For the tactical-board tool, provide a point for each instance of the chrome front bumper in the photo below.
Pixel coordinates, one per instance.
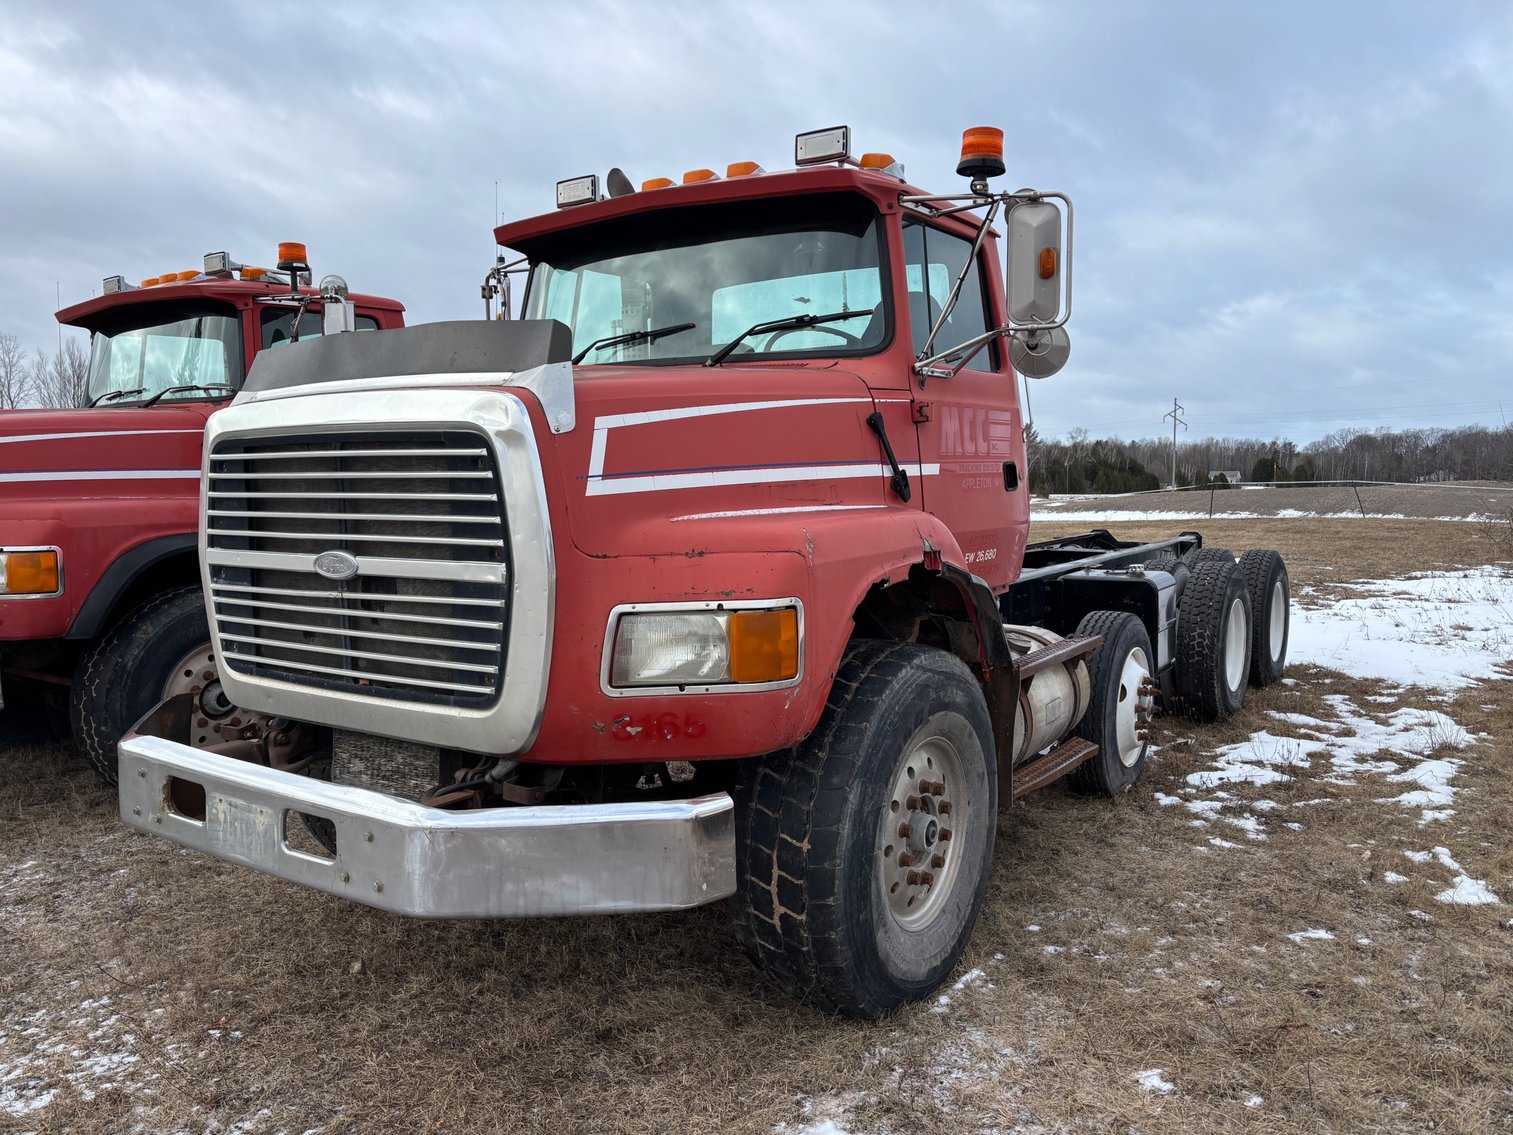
(430, 862)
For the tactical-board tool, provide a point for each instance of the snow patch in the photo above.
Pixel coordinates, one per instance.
(1311, 936)
(1154, 1080)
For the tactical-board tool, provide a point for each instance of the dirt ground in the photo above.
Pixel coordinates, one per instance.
(1141, 965)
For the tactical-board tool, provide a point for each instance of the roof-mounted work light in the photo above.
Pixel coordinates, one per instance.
(220, 266)
(578, 191)
(833, 144)
(114, 284)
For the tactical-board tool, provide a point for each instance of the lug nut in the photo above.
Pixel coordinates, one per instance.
(938, 788)
(914, 878)
(945, 807)
(937, 861)
(926, 878)
(945, 835)
(905, 831)
(912, 803)
(906, 859)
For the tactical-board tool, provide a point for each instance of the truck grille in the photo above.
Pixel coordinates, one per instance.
(424, 617)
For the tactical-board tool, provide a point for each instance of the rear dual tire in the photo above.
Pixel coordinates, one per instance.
(1213, 639)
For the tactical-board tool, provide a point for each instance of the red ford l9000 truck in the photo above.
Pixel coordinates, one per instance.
(708, 580)
(99, 503)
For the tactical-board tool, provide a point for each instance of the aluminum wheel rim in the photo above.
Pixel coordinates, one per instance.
(214, 720)
(1235, 628)
(917, 857)
(1277, 628)
(1135, 708)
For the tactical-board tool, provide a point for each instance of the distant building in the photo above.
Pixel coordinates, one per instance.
(1230, 475)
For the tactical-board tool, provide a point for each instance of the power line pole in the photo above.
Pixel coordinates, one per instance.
(1177, 409)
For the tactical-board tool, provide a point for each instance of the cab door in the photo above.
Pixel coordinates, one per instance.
(969, 425)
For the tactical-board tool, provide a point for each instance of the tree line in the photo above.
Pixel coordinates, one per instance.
(1082, 464)
(41, 379)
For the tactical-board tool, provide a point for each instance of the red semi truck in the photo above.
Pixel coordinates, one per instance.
(99, 504)
(707, 580)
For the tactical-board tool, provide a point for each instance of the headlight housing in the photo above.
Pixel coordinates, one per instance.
(694, 648)
(30, 573)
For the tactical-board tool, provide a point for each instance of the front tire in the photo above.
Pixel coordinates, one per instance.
(863, 855)
(133, 668)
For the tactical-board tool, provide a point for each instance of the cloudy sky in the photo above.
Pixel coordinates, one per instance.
(1295, 217)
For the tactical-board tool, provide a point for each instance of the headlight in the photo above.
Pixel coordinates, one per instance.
(30, 571)
(705, 647)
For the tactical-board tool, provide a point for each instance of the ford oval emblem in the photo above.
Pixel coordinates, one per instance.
(336, 565)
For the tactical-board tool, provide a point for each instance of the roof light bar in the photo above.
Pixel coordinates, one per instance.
(578, 191)
(833, 144)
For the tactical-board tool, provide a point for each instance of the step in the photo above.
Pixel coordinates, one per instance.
(1053, 766)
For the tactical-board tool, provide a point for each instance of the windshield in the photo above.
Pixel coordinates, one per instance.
(722, 268)
(202, 350)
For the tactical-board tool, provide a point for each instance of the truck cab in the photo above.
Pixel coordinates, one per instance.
(99, 503)
(709, 578)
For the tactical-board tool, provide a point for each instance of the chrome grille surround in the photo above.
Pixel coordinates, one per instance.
(444, 634)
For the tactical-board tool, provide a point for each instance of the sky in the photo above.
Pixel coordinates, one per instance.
(1293, 217)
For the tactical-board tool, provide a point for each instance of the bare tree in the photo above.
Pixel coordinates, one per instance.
(15, 376)
(62, 379)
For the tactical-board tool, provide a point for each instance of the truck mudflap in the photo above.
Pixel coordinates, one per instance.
(427, 862)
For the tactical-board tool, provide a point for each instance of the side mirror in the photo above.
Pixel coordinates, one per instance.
(1034, 262)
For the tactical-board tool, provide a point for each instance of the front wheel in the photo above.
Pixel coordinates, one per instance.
(863, 855)
(160, 649)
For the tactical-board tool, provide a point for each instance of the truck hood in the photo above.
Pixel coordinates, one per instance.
(49, 454)
(657, 448)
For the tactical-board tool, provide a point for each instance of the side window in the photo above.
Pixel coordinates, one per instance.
(278, 326)
(932, 261)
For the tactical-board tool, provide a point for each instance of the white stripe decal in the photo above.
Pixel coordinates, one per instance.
(646, 418)
(598, 485)
(91, 433)
(776, 511)
(105, 475)
(665, 482)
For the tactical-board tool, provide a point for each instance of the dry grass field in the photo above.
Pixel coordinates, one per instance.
(1201, 955)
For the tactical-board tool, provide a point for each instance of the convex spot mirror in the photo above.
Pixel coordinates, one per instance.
(1034, 269)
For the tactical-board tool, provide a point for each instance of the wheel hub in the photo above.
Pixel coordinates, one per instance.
(214, 720)
(916, 859)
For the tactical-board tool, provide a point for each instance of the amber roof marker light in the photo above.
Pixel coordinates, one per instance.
(981, 155)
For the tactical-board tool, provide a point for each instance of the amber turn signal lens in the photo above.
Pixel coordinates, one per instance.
(1047, 263)
(30, 573)
(764, 645)
(291, 252)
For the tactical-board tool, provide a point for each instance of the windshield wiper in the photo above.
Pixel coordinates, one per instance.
(632, 337)
(226, 386)
(112, 395)
(792, 321)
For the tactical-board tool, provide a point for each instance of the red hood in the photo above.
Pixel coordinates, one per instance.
(53, 454)
(655, 446)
